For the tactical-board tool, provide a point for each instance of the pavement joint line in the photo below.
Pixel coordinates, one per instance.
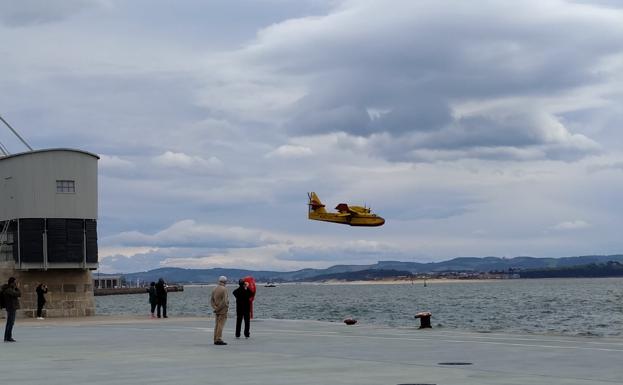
(101, 320)
(446, 333)
(328, 334)
(451, 341)
(486, 334)
(547, 340)
(530, 337)
(334, 334)
(470, 368)
(493, 336)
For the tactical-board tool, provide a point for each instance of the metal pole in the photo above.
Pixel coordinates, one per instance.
(84, 245)
(15, 132)
(4, 150)
(45, 244)
(19, 249)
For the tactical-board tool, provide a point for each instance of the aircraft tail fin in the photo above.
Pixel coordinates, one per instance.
(315, 205)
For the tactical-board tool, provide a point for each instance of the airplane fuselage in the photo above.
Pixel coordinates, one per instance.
(369, 220)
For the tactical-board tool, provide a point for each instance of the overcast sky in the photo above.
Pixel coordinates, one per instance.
(475, 128)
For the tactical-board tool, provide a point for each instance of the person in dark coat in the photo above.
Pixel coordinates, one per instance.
(41, 290)
(153, 298)
(161, 295)
(243, 307)
(11, 293)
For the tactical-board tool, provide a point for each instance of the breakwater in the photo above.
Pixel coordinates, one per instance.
(132, 290)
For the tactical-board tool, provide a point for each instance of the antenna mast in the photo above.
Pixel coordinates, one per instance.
(16, 134)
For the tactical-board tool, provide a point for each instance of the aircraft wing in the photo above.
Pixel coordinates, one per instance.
(354, 212)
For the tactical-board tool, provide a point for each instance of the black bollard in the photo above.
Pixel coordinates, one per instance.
(424, 319)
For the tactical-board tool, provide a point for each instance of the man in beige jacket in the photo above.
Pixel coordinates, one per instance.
(220, 304)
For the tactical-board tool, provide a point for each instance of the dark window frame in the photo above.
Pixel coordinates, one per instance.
(65, 186)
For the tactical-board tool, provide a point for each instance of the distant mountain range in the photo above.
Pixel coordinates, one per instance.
(463, 264)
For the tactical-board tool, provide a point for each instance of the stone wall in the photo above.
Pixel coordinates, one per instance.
(70, 291)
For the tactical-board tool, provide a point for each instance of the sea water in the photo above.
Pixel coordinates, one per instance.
(590, 307)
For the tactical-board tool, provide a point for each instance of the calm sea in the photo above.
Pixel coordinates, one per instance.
(590, 307)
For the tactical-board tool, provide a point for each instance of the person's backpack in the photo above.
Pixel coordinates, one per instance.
(2, 299)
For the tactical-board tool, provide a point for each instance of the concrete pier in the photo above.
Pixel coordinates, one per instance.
(70, 291)
(105, 350)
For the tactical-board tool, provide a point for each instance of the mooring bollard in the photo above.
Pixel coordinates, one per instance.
(424, 319)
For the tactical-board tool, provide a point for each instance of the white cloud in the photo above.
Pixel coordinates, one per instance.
(290, 151)
(355, 251)
(114, 162)
(188, 162)
(477, 61)
(189, 233)
(571, 225)
(470, 126)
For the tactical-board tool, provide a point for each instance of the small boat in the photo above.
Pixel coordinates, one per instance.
(270, 284)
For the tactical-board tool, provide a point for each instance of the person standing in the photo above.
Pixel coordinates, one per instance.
(220, 304)
(161, 295)
(41, 290)
(153, 298)
(243, 307)
(11, 293)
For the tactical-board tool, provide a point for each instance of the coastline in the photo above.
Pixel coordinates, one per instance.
(434, 281)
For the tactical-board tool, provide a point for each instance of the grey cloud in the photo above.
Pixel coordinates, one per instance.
(322, 103)
(429, 210)
(188, 233)
(604, 3)
(333, 119)
(529, 136)
(135, 263)
(32, 12)
(357, 252)
(418, 60)
(425, 114)
(617, 166)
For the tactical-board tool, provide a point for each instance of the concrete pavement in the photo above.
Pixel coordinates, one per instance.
(120, 350)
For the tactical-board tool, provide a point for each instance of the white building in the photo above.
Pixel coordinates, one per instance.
(48, 209)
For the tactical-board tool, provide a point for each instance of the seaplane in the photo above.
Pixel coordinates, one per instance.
(347, 215)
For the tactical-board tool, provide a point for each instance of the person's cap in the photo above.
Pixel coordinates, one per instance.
(222, 278)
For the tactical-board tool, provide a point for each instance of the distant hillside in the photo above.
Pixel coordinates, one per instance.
(463, 264)
(361, 275)
(174, 274)
(593, 270)
(496, 264)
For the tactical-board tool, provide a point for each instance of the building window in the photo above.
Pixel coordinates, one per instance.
(66, 186)
(6, 242)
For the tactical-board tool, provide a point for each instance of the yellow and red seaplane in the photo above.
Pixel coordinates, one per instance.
(347, 215)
